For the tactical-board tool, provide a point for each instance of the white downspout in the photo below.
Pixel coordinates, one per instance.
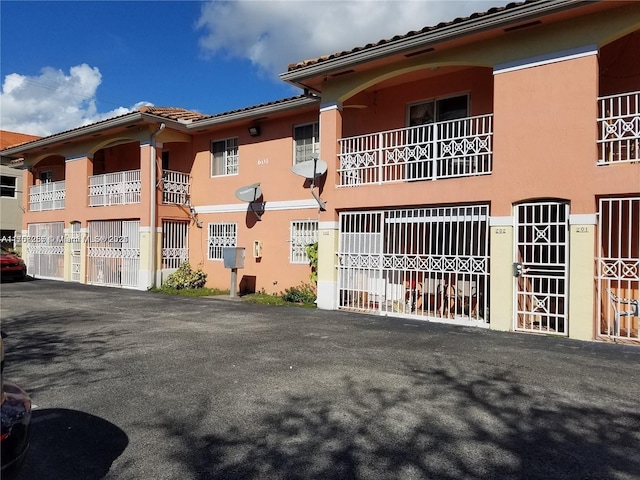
(153, 187)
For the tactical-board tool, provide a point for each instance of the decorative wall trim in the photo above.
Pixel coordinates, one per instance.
(546, 59)
(266, 206)
(324, 107)
(583, 219)
(328, 225)
(501, 221)
(73, 158)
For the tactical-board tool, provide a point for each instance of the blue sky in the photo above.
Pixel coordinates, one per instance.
(66, 64)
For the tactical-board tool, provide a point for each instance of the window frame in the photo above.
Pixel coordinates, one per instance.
(226, 237)
(45, 176)
(6, 187)
(315, 145)
(230, 161)
(436, 113)
(298, 240)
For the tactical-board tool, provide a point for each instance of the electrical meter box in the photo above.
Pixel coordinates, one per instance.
(233, 257)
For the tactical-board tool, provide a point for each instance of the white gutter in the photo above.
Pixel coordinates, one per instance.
(153, 188)
(252, 113)
(72, 134)
(473, 25)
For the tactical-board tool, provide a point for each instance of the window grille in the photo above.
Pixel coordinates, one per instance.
(8, 186)
(221, 235)
(224, 157)
(175, 243)
(303, 233)
(306, 139)
(618, 268)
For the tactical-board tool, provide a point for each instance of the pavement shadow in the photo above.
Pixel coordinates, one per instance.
(446, 424)
(71, 445)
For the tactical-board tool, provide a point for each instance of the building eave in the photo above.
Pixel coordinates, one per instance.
(253, 113)
(56, 138)
(509, 16)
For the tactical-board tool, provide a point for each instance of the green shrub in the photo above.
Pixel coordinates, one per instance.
(304, 293)
(185, 277)
(312, 253)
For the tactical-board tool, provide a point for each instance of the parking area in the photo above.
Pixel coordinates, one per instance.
(132, 385)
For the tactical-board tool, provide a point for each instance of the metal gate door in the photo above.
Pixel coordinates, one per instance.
(175, 243)
(618, 295)
(113, 256)
(76, 249)
(429, 262)
(541, 267)
(45, 251)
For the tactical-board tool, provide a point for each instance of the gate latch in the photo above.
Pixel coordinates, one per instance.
(518, 270)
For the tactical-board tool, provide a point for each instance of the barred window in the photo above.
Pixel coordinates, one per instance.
(224, 157)
(221, 235)
(303, 233)
(306, 139)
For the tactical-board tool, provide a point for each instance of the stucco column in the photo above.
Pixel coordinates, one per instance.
(84, 242)
(501, 267)
(330, 132)
(67, 254)
(145, 276)
(582, 237)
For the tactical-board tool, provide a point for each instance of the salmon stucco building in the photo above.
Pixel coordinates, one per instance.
(482, 172)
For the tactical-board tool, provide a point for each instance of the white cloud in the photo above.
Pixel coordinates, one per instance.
(273, 34)
(52, 101)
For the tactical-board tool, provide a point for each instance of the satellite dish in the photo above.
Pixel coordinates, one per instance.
(250, 193)
(311, 168)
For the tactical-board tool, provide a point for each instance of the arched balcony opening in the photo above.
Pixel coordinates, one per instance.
(48, 191)
(116, 174)
(426, 124)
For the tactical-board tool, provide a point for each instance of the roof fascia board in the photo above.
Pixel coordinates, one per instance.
(72, 134)
(253, 113)
(438, 35)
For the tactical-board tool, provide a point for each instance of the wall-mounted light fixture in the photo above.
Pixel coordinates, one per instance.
(254, 131)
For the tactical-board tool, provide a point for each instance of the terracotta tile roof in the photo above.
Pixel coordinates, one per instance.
(441, 25)
(11, 139)
(178, 114)
(173, 113)
(255, 107)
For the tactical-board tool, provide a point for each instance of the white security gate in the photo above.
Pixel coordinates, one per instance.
(541, 267)
(113, 256)
(618, 264)
(76, 248)
(175, 243)
(45, 251)
(425, 262)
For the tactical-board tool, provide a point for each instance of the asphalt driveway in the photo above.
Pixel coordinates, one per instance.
(135, 385)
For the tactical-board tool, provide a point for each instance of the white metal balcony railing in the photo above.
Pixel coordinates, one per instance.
(456, 148)
(47, 196)
(118, 188)
(175, 187)
(619, 128)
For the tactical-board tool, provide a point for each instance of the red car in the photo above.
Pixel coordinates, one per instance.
(15, 413)
(12, 266)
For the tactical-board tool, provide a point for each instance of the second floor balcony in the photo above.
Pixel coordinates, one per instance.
(619, 128)
(117, 188)
(455, 148)
(175, 187)
(47, 196)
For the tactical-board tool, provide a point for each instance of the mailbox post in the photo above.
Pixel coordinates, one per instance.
(234, 259)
